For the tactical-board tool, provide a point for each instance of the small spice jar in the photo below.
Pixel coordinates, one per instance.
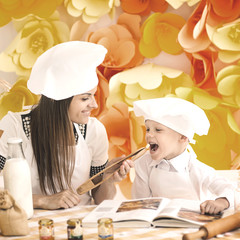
(46, 229)
(105, 229)
(74, 229)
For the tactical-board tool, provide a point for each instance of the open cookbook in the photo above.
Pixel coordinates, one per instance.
(147, 212)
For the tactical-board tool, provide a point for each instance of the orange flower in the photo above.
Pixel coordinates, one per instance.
(20, 8)
(121, 40)
(203, 73)
(143, 8)
(116, 122)
(222, 11)
(193, 36)
(101, 95)
(159, 32)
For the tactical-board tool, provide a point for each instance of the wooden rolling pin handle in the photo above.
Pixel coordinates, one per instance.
(216, 227)
(222, 225)
(201, 234)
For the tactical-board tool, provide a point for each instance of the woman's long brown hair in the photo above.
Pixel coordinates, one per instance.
(53, 143)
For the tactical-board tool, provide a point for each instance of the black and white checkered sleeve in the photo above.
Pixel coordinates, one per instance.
(96, 169)
(2, 162)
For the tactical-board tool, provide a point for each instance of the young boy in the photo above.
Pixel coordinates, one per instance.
(170, 168)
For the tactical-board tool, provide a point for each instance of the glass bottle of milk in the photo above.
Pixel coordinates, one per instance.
(17, 176)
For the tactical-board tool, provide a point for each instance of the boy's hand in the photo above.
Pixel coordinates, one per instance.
(214, 206)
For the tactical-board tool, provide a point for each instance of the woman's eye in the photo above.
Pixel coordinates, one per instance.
(158, 130)
(84, 99)
(147, 129)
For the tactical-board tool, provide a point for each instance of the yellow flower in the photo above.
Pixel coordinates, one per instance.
(160, 32)
(137, 131)
(19, 8)
(145, 81)
(223, 139)
(227, 39)
(17, 97)
(228, 83)
(91, 10)
(178, 3)
(35, 36)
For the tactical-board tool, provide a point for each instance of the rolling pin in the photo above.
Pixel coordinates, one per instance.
(214, 228)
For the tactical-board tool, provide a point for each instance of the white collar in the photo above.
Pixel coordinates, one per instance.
(179, 163)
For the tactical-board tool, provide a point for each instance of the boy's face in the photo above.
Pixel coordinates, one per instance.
(164, 142)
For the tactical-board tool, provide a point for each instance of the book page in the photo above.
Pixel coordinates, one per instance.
(137, 210)
(185, 210)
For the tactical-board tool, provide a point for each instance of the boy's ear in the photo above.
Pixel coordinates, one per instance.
(184, 138)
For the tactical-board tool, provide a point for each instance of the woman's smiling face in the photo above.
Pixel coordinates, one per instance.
(81, 106)
(164, 142)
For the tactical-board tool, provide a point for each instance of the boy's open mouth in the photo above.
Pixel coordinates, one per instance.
(153, 147)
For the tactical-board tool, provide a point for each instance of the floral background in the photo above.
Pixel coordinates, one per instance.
(156, 48)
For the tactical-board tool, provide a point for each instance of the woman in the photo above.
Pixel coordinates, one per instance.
(63, 145)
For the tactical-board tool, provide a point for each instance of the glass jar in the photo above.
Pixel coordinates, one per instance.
(74, 229)
(17, 176)
(46, 229)
(105, 229)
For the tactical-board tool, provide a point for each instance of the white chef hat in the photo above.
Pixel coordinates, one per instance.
(178, 114)
(67, 69)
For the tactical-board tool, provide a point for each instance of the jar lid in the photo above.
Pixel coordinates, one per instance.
(105, 220)
(45, 222)
(14, 140)
(74, 221)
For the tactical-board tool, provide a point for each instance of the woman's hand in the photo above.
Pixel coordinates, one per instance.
(214, 206)
(64, 199)
(122, 171)
(107, 189)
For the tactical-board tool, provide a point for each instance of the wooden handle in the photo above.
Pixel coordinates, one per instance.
(201, 234)
(213, 228)
(89, 184)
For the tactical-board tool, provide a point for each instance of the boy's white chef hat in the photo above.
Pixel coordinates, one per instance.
(67, 69)
(178, 114)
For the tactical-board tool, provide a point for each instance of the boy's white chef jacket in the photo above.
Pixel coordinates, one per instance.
(91, 151)
(181, 177)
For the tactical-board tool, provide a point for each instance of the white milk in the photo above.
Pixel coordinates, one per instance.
(17, 180)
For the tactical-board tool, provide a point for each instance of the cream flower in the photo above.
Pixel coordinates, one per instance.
(91, 10)
(35, 36)
(227, 39)
(178, 3)
(228, 83)
(145, 81)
